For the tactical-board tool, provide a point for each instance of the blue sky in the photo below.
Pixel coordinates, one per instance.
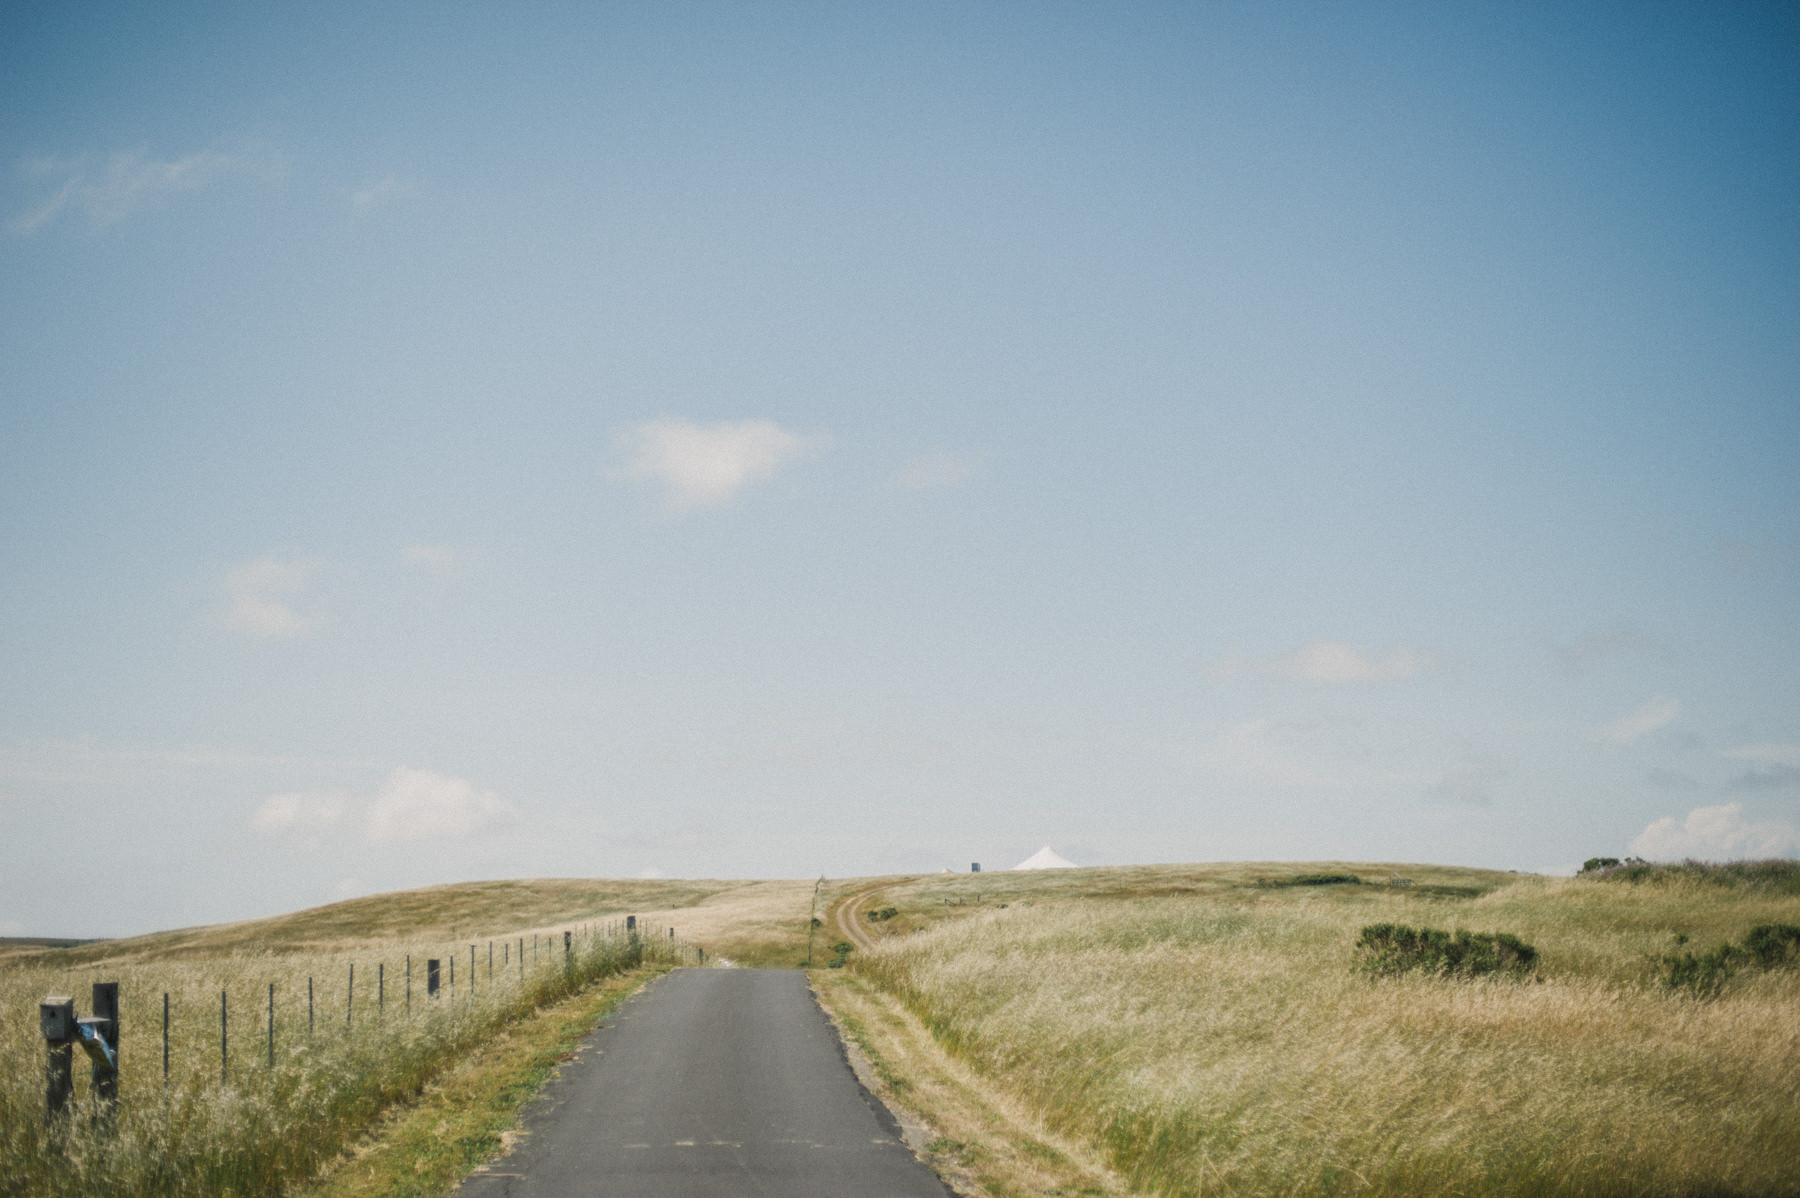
(480, 441)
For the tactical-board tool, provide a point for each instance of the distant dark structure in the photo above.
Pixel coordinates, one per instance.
(974, 867)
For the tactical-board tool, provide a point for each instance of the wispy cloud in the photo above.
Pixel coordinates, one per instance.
(707, 465)
(265, 597)
(1659, 712)
(411, 804)
(1715, 834)
(938, 470)
(105, 190)
(421, 805)
(1328, 663)
(306, 816)
(1772, 754)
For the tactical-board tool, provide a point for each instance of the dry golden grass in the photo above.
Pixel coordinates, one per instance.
(1210, 1035)
(270, 1120)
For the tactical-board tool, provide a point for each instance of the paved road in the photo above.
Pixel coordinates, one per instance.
(710, 1082)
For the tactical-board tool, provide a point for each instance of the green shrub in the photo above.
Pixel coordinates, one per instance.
(1767, 946)
(1777, 875)
(1312, 880)
(1388, 948)
(881, 916)
(843, 949)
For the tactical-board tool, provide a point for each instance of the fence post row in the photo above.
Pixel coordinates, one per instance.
(99, 1035)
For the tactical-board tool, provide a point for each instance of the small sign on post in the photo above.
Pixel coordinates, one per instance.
(431, 977)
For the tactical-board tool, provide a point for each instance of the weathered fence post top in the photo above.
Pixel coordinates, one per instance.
(98, 1036)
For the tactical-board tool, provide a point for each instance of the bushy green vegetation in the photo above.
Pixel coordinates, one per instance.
(1775, 876)
(1767, 946)
(1210, 1035)
(1388, 948)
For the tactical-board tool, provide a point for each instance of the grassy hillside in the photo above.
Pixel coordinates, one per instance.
(342, 989)
(1210, 1031)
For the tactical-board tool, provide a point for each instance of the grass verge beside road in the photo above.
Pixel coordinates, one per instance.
(1206, 1029)
(983, 1144)
(472, 1112)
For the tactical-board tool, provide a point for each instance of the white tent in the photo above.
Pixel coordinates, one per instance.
(1045, 858)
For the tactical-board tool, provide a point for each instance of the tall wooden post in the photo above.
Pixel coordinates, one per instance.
(56, 1020)
(106, 1073)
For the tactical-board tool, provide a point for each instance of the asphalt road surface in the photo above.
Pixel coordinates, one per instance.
(710, 1082)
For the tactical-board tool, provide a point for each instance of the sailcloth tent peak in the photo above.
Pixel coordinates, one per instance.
(1045, 858)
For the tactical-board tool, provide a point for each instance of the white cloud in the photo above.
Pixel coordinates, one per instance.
(348, 888)
(411, 804)
(1715, 834)
(11, 927)
(706, 465)
(261, 598)
(939, 470)
(650, 873)
(1659, 712)
(1772, 754)
(421, 805)
(305, 815)
(107, 191)
(1329, 663)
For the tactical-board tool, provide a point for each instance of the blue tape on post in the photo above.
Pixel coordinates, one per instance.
(94, 1043)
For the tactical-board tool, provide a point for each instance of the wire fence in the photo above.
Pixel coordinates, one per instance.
(245, 1073)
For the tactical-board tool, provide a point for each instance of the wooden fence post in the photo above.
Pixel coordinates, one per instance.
(106, 1073)
(224, 1041)
(56, 1020)
(165, 1039)
(271, 1025)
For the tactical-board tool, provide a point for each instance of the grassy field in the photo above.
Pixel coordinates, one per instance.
(262, 1120)
(1207, 1029)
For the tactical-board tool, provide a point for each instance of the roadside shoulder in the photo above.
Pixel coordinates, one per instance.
(979, 1141)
